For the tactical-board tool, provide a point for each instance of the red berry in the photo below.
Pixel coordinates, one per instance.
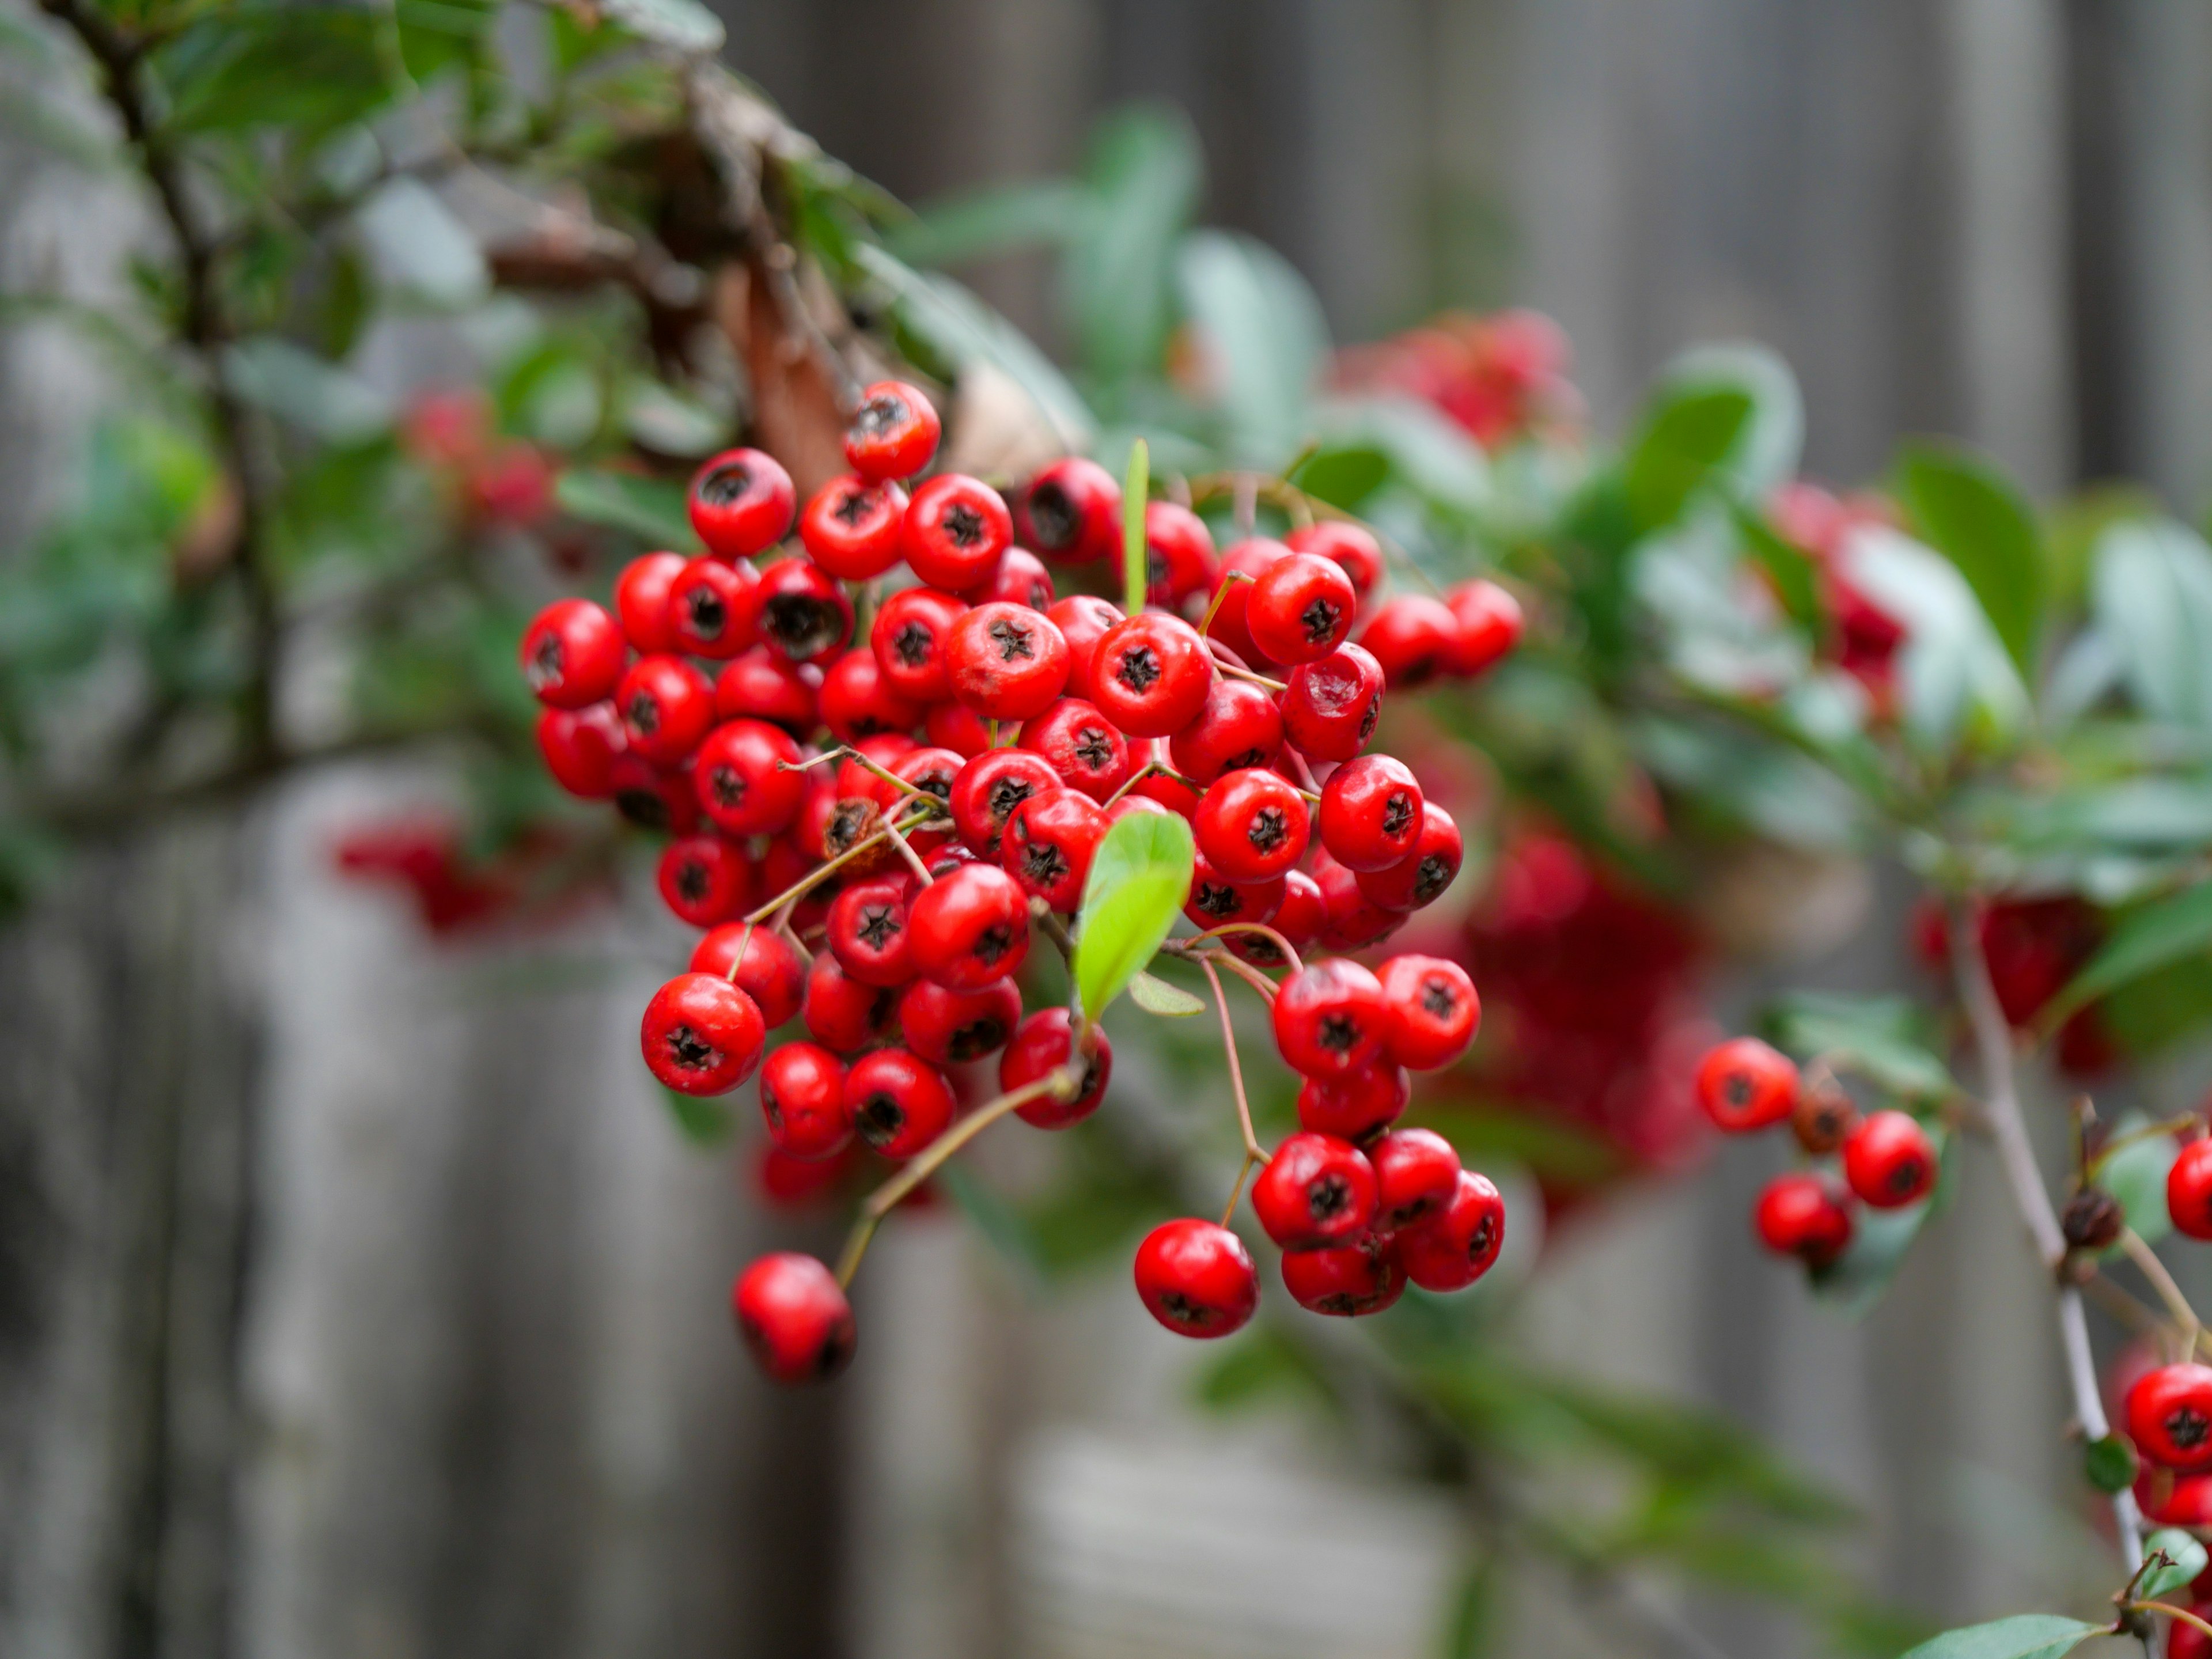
(950, 1028)
(1355, 1106)
(1331, 1019)
(933, 771)
(1150, 674)
(1251, 559)
(1007, 661)
(842, 1014)
(1416, 1174)
(772, 973)
(804, 614)
(1370, 813)
(2169, 1416)
(957, 726)
(858, 702)
(741, 503)
(870, 933)
(1041, 1044)
(1297, 918)
(1744, 1084)
(653, 797)
(1238, 726)
(758, 685)
(1889, 1160)
(1216, 901)
(1175, 793)
(802, 1097)
(971, 927)
(1353, 921)
(1082, 746)
(704, 879)
(1316, 1190)
(573, 654)
(1196, 1279)
(1083, 620)
(1419, 878)
(580, 747)
(1048, 844)
(711, 607)
(1330, 707)
(667, 706)
(1413, 637)
(2189, 1190)
(1018, 578)
(745, 779)
(1353, 549)
(1345, 1280)
(1459, 1244)
(642, 600)
(898, 1104)
(702, 1036)
(2185, 1640)
(893, 434)
(1178, 555)
(1072, 510)
(1489, 626)
(988, 789)
(794, 1318)
(1434, 1012)
(954, 530)
(1251, 825)
(1300, 609)
(851, 528)
(1802, 1215)
(2167, 1499)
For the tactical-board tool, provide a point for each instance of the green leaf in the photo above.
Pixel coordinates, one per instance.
(1958, 678)
(1139, 878)
(705, 1120)
(294, 384)
(1796, 580)
(312, 68)
(651, 508)
(1967, 509)
(2137, 1176)
(989, 221)
(1157, 996)
(421, 248)
(2185, 1558)
(683, 25)
(2151, 593)
(1264, 338)
(1261, 1365)
(1887, 1039)
(1728, 417)
(2023, 1636)
(2109, 1464)
(1685, 437)
(2166, 930)
(1343, 476)
(434, 35)
(1144, 170)
(1426, 452)
(1471, 1621)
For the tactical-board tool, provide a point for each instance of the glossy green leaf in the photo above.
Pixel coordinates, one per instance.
(2109, 1464)
(311, 67)
(1423, 450)
(2167, 931)
(2185, 1559)
(1144, 171)
(1887, 1039)
(1343, 475)
(1264, 339)
(1957, 679)
(1796, 579)
(1727, 417)
(1967, 510)
(651, 508)
(2023, 1636)
(434, 35)
(1157, 996)
(1139, 878)
(2137, 1176)
(2151, 593)
(1472, 1619)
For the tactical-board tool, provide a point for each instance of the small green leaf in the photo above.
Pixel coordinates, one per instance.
(1259, 1366)
(1144, 171)
(2185, 1559)
(1796, 580)
(648, 508)
(1265, 337)
(705, 1122)
(1684, 440)
(1139, 878)
(1136, 558)
(2109, 1464)
(2166, 930)
(1885, 1038)
(2150, 586)
(1471, 1622)
(2023, 1636)
(2137, 1176)
(1969, 512)
(1157, 996)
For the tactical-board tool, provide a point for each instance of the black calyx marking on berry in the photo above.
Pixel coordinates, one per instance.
(1184, 1311)
(709, 616)
(962, 526)
(1217, 900)
(1367, 720)
(1005, 796)
(937, 783)
(837, 1343)
(728, 785)
(2187, 1427)
(1343, 1304)
(1397, 813)
(644, 712)
(1249, 757)
(1261, 950)
(977, 1038)
(1139, 669)
(693, 881)
(1052, 518)
(913, 644)
(879, 1118)
(880, 415)
(868, 725)
(726, 485)
(1737, 1088)
(691, 1050)
(850, 821)
(1337, 1033)
(879, 925)
(803, 624)
(1328, 1195)
(771, 1104)
(1431, 876)
(643, 807)
(1909, 1174)
(1157, 568)
(1439, 996)
(1012, 639)
(549, 663)
(1267, 829)
(853, 506)
(1090, 1080)
(991, 944)
(1044, 865)
(1484, 1236)
(1094, 747)
(1319, 620)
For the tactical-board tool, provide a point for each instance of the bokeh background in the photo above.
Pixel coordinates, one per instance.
(357, 1295)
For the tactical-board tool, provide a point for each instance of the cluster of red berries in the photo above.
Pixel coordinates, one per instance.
(981, 739)
(1888, 1159)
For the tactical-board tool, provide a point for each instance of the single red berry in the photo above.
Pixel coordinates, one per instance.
(741, 503)
(1041, 1044)
(771, 972)
(1247, 561)
(580, 746)
(1802, 1215)
(2189, 1190)
(667, 706)
(1354, 549)
(870, 933)
(573, 654)
(933, 771)
(1215, 900)
(851, 528)
(842, 1014)
(1238, 726)
(1251, 825)
(1300, 609)
(988, 789)
(893, 434)
(1178, 555)
(1085, 749)
(1358, 1105)
(2183, 1640)
(802, 1097)
(786, 1182)
(857, 701)
(1459, 1244)
(1331, 1019)
(713, 610)
(702, 1036)
(745, 778)
(957, 726)
(652, 797)
(642, 600)
(1330, 707)
(1416, 1174)
(794, 1318)
(1744, 1084)
(1196, 1279)
(704, 879)
(1489, 626)
(1072, 510)
(954, 530)
(2169, 1416)
(1419, 878)
(1007, 661)
(1299, 919)
(950, 1028)
(1018, 578)
(898, 1104)
(804, 614)
(971, 927)
(1315, 1190)
(758, 685)
(1345, 1281)
(1890, 1161)
(1351, 921)
(1370, 813)
(1083, 619)
(908, 637)
(1150, 674)
(2167, 1499)
(1434, 1012)
(1048, 844)
(1178, 794)
(1414, 638)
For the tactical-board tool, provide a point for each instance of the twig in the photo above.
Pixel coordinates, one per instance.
(2176, 1304)
(1253, 1154)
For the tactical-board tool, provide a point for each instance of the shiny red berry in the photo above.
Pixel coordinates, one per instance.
(1248, 561)
(1345, 1281)
(957, 726)
(794, 1318)
(988, 789)
(1083, 619)
(1330, 707)
(933, 771)
(652, 797)
(1413, 637)
(580, 746)
(908, 637)
(1351, 921)
(1215, 900)
(1419, 878)
(2169, 1416)
(702, 1036)
(1416, 1174)
(870, 933)
(857, 701)
(954, 530)
(1238, 726)
(804, 614)
(802, 1097)
(1357, 1105)
(1176, 794)
(1151, 675)
(1370, 813)
(851, 527)
(713, 608)
(1007, 661)
(1434, 1011)
(741, 503)
(1048, 844)
(1331, 1019)
(1315, 1190)
(1457, 1244)
(1803, 1215)
(1300, 609)
(1743, 1085)
(1489, 625)
(1071, 510)
(841, 1013)
(971, 927)
(667, 706)
(1082, 745)
(743, 773)
(2189, 1190)
(1251, 825)
(950, 1028)
(898, 1103)
(1889, 1160)
(1196, 1279)
(1041, 1044)
(642, 600)
(704, 879)
(2169, 1500)
(1354, 549)
(1178, 555)
(894, 432)
(1298, 917)
(771, 972)
(573, 654)
(758, 685)
(1018, 578)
